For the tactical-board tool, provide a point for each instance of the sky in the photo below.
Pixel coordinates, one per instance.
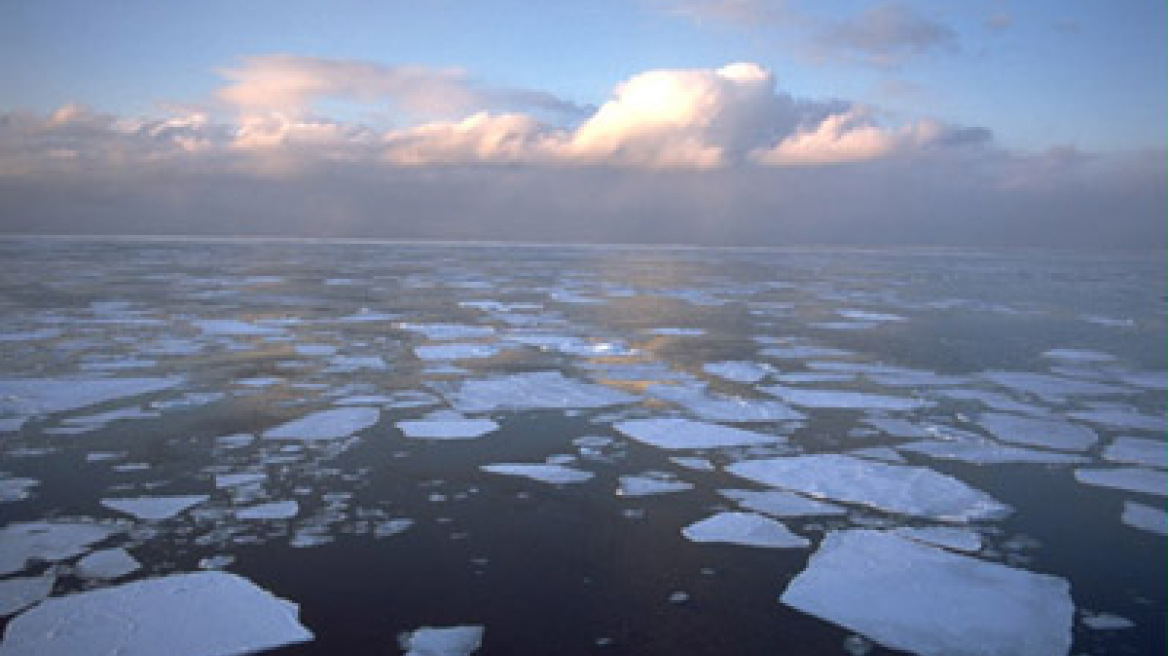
(727, 122)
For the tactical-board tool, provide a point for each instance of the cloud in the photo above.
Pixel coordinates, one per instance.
(885, 35)
(851, 137)
(742, 13)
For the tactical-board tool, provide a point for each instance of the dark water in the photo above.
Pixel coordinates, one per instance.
(560, 569)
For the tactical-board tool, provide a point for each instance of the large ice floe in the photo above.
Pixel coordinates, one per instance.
(154, 508)
(781, 503)
(902, 489)
(51, 541)
(746, 529)
(16, 594)
(199, 614)
(445, 427)
(23, 398)
(1131, 479)
(821, 398)
(677, 433)
(533, 391)
(988, 452)
(326, 424)
(1138, 451)
(442, 641)
(545, 473)
(1045, 432)
(926, 600)
(1145, 518)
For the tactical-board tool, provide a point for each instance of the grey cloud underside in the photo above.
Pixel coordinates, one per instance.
(997, 200)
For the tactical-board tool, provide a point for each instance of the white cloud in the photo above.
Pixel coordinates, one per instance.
(849, 137)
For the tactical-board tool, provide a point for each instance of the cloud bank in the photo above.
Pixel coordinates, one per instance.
(712, 156)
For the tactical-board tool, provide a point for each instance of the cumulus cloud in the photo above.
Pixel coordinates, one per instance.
(850, 137)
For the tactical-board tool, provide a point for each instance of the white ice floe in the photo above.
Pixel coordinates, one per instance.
(739, 371)
(932, 602)
(916, 491)
(154, 508)
(20, 593)
(1138, 451)
(239, 479)
(865, 315)
(545, 473)
(1034, 431)
(534, 391)
(326, 424)
(315, 349)
(821, 398)
(1132, 479)
(884, 453)
(780, 503)
(1079, 356)
(949, 537)
(30, 397)
(1153, 380)
(644, 485)
(271, 510)
(442, 641)
(1122, 419)
(198, 614)
(994, 401)
(353, 363)
(51, 541)
(442, 332)
(802, 352)
(459, 428)
(455, 351)
(987, 452)
(676, 433)
(1051, 388)
(721, 407)
(571, 345)
(16, 488)
(234, 441)
(692, 462)
(677, 332)
(107, 564)
(1146, 518)
(1106, 622)
(747, 529)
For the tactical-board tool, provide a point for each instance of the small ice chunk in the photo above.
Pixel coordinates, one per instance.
(556, 474)
(326, 424)
(678, 597)
(447, 429)
(802, 352)
(928, 601)
(739, 371)
(271, 510)
(154, 508)
(988, 453)
(441, 332)
(455, 351)
(1106, 622)
(949, 537)
(780, 503)
(1080, 356)
(896, 427)
(865, 315)
(107, 564)
(677, 332)
(443, 641)
(1145, 518)
(197, 614)
(694, 463)
(1132, 479)
(237, 480)
(20, 593)
(884, 453)
(315, 349)
(234, 328)
(647, 485)
(392, 527)
(51, 541)
(821, 398)
(15, 488)
(917, 491)
(747, 529)
(234, 441)
(675, 433)
(533, 391)
(1138, 451)
(1032, 431)
(354, 363)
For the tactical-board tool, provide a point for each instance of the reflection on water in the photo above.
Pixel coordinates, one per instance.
(264, 383)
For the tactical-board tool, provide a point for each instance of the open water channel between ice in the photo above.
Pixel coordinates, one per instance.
(222, 447)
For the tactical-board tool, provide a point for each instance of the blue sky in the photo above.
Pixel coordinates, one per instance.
(1087, 73)
(957, 122)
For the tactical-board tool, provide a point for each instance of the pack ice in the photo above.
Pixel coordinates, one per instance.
(154, 508)
(676, 433)
(928, 601)
(1046, 432)
(51, 541)
(199, 614)
(903, 489)
(821, 398)
(21, 398)
(720, 407)
(533, 391)
(747, 529)
(556, 474)
(326, 424)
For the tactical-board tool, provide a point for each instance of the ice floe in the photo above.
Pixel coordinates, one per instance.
(1078, 356)
(747, 529)
(1106, 622)
(1145, 518)
(949, 537)
(1121, 418)
(916, 491)
(326, 424)
(739, 371)
(821, 398)
(676, 433)
(987, 452)
(16, 488)
(721, 407)
(1132, 479)
(107, 564)
(442, 332)
(19, 593)
(234, 328)
(239, 479)
(534, 391)
(780, 503)
(51, 541)
(545, 473)
(1051, 388)
(154, 508)
(455, 351)
(925, 600)
(199, 614)
(1138, 451)
(447, 428)
(30, 397)
(442, 641)
(1035, 431)
(649, 484)
(271, 510)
